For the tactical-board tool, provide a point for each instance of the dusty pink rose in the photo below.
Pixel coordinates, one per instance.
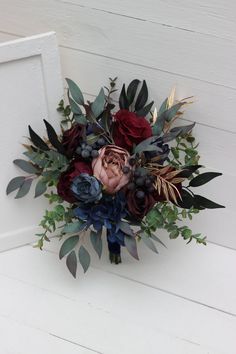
(108, 168)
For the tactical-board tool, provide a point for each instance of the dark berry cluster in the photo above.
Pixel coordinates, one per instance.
(87, 151)
(143, 182)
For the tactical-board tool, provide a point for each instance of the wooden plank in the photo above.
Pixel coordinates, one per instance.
(214, 144)
(30, 89)
(200, 273)
(18, 338)
(202, 111)
(216, 17)
(185, 53)
(101, 303)
(211, 102)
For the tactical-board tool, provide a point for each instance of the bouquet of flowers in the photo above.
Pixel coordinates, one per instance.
(128, 171)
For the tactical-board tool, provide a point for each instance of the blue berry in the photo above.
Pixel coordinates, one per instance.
(85, 154)
(101, 141)
(94, 153)
(139, 181)
(140, 195)
(126, 169)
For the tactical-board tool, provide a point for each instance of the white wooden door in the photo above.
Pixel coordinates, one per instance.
(30, 89)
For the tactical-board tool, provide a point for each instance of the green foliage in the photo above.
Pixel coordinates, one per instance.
(99, 104)
(68, 245)
(26, 166)
(165, 216)
(75, 92)
(52, 218)
(71, 263)
(84, 258)
(14, 184)
(131, 245)
(184, 150)
(96, 240)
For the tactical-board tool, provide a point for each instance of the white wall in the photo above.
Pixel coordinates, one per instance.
(187, 43)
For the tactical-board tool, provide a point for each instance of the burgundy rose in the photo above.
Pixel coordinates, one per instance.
(139, 202)
(129, 129)
(71, 138)
(64, 183)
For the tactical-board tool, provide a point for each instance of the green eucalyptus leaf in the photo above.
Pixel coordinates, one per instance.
(96, 240)
(203, 178)
(146, 146)
(148, 242)
(24, 189)
(92, 138)
(73, 227)
(68, 245)
(172, 111)
(40, 188)
(25, 166)
(99, 104)
(163, 107)
(80, 119)
(125, 227)
(75, 92)
(177, 131)
(157, 239)
(74, 107)
(14, 184)
(84, 258)
(145, 110)
(71, 262)
(131, 245)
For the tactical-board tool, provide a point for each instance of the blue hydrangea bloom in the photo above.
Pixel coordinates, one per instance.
(86, 188)
(108, 212)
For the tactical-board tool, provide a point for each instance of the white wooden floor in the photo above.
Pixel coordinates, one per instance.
(182, 301)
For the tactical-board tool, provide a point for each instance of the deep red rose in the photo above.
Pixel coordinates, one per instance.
(64, 183)
(71, 138)
(137, 207)
(129, 129)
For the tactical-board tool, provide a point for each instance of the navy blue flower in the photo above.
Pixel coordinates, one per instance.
(116, 236)
(108, 212)
(86, 188)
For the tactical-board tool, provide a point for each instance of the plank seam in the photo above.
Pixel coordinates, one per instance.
(169, 292)
(146, 20)
(75, 343)
(132, 63)
(23, 324)
(147, 67)
(122, 277)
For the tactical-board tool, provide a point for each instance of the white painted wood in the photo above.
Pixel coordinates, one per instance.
(22, 339)
(30, 89)
(215, 144)
(134, 314)
(202, 274)
(214, 17)
(185, 53)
